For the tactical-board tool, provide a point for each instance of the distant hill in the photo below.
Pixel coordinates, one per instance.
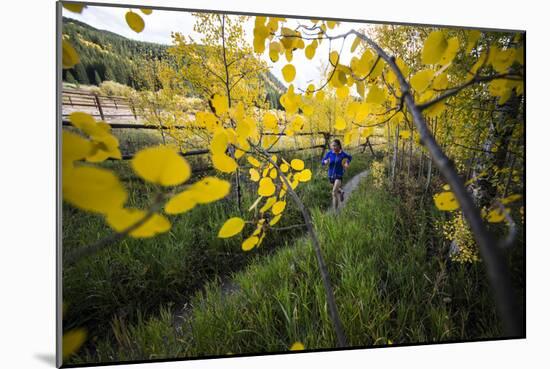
(105, 55)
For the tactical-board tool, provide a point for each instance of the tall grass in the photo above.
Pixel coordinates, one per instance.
(390, 287)
(134, 278)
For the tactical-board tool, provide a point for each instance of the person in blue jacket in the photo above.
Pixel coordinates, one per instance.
(338, 161)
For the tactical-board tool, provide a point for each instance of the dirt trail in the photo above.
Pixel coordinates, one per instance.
(351, 185)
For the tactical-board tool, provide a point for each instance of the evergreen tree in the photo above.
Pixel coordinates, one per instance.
(70, 78)
(81, 75)
(97, 78)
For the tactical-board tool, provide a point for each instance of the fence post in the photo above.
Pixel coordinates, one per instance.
(99, 107)
(132, 108)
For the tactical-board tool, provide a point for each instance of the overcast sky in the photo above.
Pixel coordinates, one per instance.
(160, 24)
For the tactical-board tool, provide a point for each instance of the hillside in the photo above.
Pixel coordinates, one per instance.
(105, 55)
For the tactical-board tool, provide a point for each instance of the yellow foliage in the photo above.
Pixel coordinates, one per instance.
(135, 22)
(93, 189)
(231, 227)
(161, 165)
(446, 201)
(121, 219)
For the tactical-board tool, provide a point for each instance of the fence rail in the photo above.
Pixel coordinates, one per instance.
(78, 99)
(82, 99)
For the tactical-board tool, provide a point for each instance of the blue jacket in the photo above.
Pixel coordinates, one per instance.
(335, 167)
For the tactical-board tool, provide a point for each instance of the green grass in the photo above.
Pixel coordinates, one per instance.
(391, 286)
(135, 278)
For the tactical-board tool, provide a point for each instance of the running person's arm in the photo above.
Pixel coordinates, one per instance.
(326, 158)
(347, 160)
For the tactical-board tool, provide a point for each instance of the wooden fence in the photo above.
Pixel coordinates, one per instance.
(103, 105)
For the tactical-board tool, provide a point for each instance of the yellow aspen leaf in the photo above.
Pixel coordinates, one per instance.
(69, 57)
(135, 22)
(501, 59)
(219, 142)
(436, 109)
(284, 167)
(451, 51)
(74, 147)
(270, 121)
(249, 243)
(75, 338)
(297, 123)
(180, 203)
(210, 189)
(355, 43)
(331, 24)
(231, 227)
(333, 57)
(273, 173)
(122, 219)
(288, 55)
(253, 161)
(239, 153)
(266, 187)
(307, 110)
(360, 87)
(500, 88)
(103, 147)
(421, 80)
(93, 189)
(268, 204)
(473, 37)
(309, 51)
(224, 163)
(377, 70)
(446, 201)
(75, 8)
(304, 175)
(340, 124)
(87, 124)
(347, 140)
(278, 207)
(259, 44)
(244, 128)
(434, 47)
(342, 92)
(146, 11)
(320, 95)
(220, 104)
(496, 215)
(274, 51)
(275, 220)
(297, 164)
(289, 72)
(352, 109)
(297, 346)
(441, 81)
(161, 165)
(376, 95)
(510, 199)
(254, 174)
